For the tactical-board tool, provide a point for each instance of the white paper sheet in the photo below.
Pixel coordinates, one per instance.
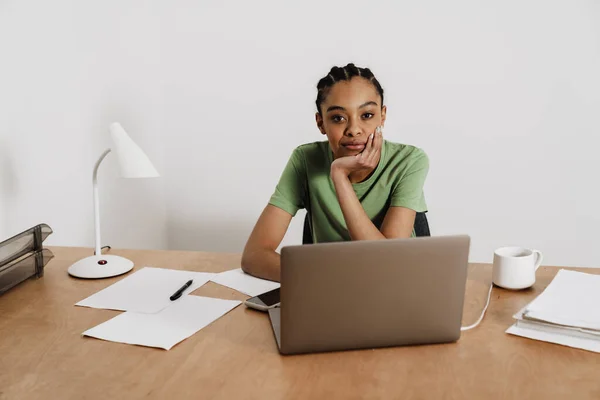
(145, 291)
(242, 282)
(572, 299)
(166, 328)
(553, 337)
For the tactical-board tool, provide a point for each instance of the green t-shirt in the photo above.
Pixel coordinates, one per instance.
(305, 183)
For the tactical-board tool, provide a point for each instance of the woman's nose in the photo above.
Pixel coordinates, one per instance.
(353, 128)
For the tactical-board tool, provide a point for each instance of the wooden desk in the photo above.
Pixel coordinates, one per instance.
(43, 355)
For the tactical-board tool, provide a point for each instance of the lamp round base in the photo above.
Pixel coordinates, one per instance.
(102, 266)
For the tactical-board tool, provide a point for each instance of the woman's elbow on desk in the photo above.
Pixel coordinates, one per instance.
(263, 263)
(245, 264)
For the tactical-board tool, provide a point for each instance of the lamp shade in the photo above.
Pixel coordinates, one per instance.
(133, 162)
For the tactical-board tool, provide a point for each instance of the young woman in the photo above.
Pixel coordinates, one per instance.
(354, 186)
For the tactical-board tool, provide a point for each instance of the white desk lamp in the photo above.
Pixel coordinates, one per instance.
(133, 163)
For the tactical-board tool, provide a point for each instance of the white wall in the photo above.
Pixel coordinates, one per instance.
(67, 70)
(504, 96)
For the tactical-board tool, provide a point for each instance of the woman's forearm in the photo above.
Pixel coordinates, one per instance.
(358, 222)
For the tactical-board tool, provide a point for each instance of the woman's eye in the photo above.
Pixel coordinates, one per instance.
(368, 115)
(337, 118)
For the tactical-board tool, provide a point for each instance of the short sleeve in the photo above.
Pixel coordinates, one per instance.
(408, 192)
(290, 191)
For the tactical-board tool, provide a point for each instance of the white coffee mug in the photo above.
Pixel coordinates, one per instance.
(514, 267)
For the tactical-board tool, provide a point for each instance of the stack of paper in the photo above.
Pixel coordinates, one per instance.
(566, 313)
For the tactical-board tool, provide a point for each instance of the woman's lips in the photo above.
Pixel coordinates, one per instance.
(354, 146)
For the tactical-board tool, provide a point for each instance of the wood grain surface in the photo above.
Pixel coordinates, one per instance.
(44, 356)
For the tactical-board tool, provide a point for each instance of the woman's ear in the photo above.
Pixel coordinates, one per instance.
(319, 119)
(383, 115)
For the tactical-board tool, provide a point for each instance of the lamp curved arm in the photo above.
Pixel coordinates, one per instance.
(98, 246)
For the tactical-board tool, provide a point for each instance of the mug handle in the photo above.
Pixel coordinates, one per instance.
(538, 259)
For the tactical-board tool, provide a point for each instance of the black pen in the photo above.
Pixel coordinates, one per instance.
(178, 293)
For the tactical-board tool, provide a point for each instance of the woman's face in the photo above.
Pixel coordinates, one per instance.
(350, 113)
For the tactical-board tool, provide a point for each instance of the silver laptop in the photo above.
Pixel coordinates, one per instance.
(367, 294)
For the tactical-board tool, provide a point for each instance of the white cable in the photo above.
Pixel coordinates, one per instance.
(487, 303)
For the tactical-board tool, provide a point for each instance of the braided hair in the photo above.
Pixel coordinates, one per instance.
(346, 73)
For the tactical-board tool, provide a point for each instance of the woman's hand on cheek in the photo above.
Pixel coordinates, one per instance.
(367, 160)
